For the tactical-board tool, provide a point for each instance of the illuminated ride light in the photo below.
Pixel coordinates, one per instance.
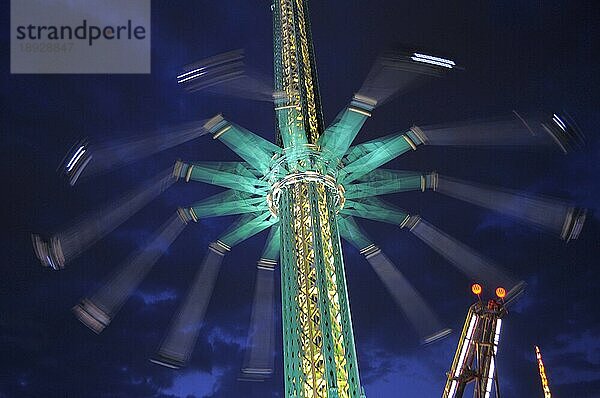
(564, 132)
(78, 161)
(429, 59)
(491, 373)
(542, 371)
(191, 77)
(49, 251)
(501, 292)
(189, 73)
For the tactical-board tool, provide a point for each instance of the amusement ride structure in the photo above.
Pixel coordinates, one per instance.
(308, 188)
(475, 358)
(542, 369)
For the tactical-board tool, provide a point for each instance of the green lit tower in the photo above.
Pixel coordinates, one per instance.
(318, 343)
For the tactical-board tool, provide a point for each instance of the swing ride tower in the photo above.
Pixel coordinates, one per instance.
(318, 342)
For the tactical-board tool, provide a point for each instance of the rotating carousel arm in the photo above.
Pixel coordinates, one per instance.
(97, 311)
(234, 175)
(251, 147)
(176, 348)
(366, 157)
(552, 215)
(225, 204)
(512, 130)
(407, 298)
(258, 361)
(69, 243)
(382, 181)
(475, 266)
(337, 138)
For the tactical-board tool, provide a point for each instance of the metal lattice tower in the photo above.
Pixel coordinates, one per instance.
(542, 369)
(475, 358)
(318, 343)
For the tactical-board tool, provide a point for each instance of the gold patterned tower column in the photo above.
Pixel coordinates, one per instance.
(319, 354)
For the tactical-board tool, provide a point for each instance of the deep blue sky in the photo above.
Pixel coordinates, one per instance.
(517, 55)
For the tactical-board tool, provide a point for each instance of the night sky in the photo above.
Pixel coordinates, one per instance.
(524, 55)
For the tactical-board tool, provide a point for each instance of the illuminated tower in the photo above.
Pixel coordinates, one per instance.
(545, 386)
(318, 343)
(475, 358)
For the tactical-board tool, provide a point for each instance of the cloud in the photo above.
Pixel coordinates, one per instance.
(194, 384)
(153, 298)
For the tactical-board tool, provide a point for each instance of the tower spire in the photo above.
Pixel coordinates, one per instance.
(297, 98)
(545, 386)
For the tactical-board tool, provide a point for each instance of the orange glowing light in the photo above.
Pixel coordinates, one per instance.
(501, 292)
(476, 288)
